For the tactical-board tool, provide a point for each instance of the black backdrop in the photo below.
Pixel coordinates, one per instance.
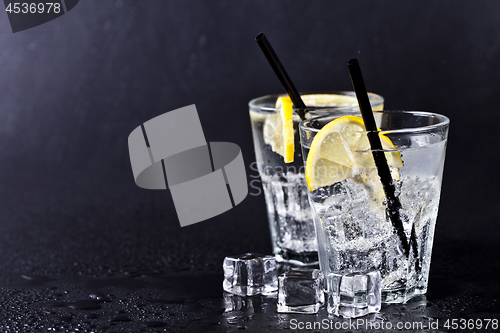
(73, 89)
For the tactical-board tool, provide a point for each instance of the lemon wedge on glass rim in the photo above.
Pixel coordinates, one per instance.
(332, 100)
(278, 129)
(341, 150)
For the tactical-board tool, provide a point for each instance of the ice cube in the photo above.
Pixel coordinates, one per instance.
(300, 291)
(354, 294)
(249, 304)
(250, 274)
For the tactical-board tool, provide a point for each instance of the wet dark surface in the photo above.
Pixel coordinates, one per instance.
(461, 287)
(101, 266)
(82, 256)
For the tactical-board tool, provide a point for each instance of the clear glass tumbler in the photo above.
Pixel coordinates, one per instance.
(354, 230)
(290, 220)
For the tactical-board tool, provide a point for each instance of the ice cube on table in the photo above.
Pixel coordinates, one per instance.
(250, 274)
(300, 290)
(354, 294)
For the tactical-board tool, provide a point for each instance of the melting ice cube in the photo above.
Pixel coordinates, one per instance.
(300, 291)
(250, 274)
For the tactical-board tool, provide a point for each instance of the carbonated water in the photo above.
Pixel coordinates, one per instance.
(356, 235)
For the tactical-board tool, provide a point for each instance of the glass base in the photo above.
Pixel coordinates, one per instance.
(306, 309)
(401, 296)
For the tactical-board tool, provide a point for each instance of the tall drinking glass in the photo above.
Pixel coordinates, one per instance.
(355, 233)
(290, 221)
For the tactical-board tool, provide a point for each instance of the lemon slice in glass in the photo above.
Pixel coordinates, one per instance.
(341, 150)
(278, 129)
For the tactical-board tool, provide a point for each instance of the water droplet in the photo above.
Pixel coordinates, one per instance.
(155, 324)
(85, 305)
(66, 319)
(100, 297)
(121, 317)
(92, 316)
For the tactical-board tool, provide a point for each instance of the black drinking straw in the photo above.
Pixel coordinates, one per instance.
(281, 73)
(393, 203)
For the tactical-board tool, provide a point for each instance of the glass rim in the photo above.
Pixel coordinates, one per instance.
(254, 103)
(444, 121)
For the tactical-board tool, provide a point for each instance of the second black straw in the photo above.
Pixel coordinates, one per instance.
(384, 172)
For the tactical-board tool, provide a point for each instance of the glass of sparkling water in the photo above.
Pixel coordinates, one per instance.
(354, 230)
(290, 221)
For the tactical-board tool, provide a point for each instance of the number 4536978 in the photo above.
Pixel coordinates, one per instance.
(24, 8)
(471, 324)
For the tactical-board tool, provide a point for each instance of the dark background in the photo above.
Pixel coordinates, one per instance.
(73, 89)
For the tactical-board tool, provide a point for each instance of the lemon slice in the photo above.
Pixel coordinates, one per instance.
(341, 150)
(334, 100)
(278, 129)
